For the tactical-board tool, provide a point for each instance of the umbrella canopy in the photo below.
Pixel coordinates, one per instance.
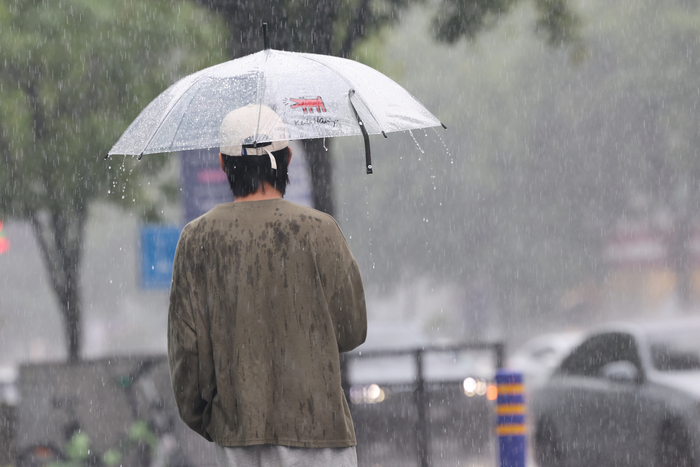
(316, 96)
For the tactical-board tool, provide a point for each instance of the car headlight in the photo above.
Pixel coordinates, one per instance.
(479, 387)
(367, 394)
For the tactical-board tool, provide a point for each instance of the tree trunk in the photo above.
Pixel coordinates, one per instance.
(60, 235)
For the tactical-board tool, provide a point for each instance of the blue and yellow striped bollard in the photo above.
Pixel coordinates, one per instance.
(510, 426)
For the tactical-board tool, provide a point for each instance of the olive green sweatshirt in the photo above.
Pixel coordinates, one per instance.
(265, 295)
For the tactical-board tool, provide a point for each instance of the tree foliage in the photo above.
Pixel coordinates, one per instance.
(75, 74)
(456, 19)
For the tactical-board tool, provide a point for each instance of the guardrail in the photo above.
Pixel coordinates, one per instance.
(422, 441)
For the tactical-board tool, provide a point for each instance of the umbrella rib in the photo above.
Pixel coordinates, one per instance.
(165, 117)
(190, 103)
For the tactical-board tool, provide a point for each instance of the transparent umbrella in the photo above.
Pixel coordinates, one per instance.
(316, 96)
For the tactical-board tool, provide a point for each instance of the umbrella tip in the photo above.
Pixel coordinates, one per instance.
(443, 125)
(266, 41)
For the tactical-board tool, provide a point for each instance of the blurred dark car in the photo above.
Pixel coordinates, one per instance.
(628, 395)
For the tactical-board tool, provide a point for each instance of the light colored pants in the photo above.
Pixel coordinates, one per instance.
(270, 455)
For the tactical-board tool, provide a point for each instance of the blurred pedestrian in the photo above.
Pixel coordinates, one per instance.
(265, 295)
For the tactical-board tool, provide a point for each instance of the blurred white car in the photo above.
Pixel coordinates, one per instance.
(628, 395)
(539, 356)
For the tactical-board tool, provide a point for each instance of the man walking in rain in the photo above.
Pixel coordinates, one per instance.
(265, 295)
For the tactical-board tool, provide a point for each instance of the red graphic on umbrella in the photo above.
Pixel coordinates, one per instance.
(4, 242)
(308, 105)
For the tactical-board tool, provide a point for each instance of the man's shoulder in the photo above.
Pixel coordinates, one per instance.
(324, 227)
(207, 218)
(300, 210)
(307, 219)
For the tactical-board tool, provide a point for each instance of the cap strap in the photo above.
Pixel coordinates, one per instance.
(273, 161)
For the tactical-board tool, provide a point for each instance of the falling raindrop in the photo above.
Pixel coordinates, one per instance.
(444, 145)
(415, 141)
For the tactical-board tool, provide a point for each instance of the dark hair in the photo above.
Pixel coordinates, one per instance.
(247, 173)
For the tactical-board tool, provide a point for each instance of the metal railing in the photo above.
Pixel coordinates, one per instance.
(420, 391)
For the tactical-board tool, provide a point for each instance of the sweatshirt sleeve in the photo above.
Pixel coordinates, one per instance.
(183, 354)
(346, 294)
(349, 311)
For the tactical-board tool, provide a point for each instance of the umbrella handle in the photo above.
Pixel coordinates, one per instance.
(365, 136)
(368, 155)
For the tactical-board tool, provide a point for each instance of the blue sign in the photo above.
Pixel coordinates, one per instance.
(157, 255)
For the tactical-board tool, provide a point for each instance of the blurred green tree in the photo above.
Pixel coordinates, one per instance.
(333, 27)
(75, 74)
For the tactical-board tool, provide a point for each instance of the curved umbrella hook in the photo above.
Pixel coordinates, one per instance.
(365, 136)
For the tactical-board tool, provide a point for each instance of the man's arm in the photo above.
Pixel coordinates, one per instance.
(348, 310)
(183, 352)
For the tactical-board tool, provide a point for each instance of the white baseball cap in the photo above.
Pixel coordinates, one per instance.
(244, 127)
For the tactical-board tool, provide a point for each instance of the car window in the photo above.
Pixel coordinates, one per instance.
(597, 351)
(675, 346)
(668, 358)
